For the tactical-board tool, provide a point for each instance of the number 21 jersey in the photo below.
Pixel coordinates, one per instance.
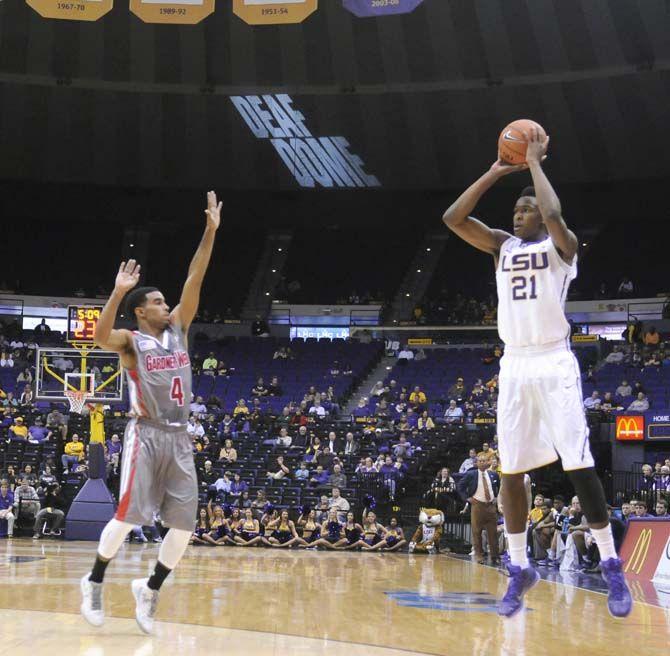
(160, 385)
(532, 281)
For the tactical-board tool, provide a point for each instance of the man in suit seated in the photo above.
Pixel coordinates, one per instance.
(480, 487)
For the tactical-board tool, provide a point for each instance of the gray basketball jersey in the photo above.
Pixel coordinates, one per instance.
(160, 386)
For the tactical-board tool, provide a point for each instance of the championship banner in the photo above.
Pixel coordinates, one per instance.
(630, 428)
(366, 8)
(645, 549)
(79, 10)
(175, 12)
(274, 12)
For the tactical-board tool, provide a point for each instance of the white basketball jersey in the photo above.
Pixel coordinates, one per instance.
(532, 281)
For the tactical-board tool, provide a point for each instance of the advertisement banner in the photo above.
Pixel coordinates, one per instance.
(644, 547)
(630, 428)
(79, 10)
(662, 573)
(274, 12)
(175, 12)
(366, 8)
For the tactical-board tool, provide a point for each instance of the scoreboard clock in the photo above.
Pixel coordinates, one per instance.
(81, 323)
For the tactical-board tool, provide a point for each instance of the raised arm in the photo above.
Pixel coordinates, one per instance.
(458, 219)
(105, 336)
(547, 200)
(184, 312)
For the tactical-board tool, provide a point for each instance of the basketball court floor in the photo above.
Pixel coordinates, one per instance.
(261, 602)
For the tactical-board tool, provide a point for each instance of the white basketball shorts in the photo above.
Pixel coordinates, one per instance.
(540, 410)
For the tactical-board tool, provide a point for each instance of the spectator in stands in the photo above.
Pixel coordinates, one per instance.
(198, 408)
(442, 490)
(417, 399)
(47, 479)
(457, 391)
(616, 356)
(390, 476)
(29, 475)
(274, 388)
(347, 370)
(338, 478)
(361, 410)
(335, 369)
(403, 448)
(27, 397)
(221, 485)
(640, 509)
(543, 533)
(317, 410)
(591, 401)
(378, 390)
(10, 401)
(647, 483)
(195, 428)
(325, 458)
(114, 445)
(453, 414)
(339, 504)
(485, 412)
(280, 354)
(18, 430)
(487, 452)
(56, 422)
(284, 439)
(24, 377)
(241, 409)
(405, 355)
(625, 287)
(302, 473)
(278, 469)
(624, 389)
(367, 466)
(6, 360)
(26, 495)
(238, 487)
(651, 337)
(609, 404)
(664, 479)
(210, 365)
(320, 477)
(260, 327)
(469, 462)
(654, 360)
(53, 513)
(351, 446)
(6, 507)
(420, 355)
(640, 404)
(207, 475)
(333, 443)
(259, 390)
(662, 508)
(74, 454)
(228, 454)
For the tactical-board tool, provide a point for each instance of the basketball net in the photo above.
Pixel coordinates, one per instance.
(77, 400)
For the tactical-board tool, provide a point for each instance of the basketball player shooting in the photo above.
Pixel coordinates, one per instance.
(540, 413)
(158, 471)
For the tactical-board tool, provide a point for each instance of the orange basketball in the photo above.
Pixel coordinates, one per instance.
(512, 144)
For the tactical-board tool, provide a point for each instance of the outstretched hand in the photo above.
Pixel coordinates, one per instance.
(537, 145)
(128, 276)
(213, 211)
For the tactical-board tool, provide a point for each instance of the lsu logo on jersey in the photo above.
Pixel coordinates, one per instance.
(525, 262)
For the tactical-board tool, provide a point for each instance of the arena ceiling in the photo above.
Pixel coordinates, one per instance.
(416, 101)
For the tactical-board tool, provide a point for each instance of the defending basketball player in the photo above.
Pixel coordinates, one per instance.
(158, 472)
(540, 413)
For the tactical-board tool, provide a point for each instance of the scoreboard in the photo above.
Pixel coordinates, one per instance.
(81, 323)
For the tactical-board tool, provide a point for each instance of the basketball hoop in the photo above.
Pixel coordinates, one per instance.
(77, 400)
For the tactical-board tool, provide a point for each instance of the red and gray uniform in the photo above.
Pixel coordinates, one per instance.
(157, 470)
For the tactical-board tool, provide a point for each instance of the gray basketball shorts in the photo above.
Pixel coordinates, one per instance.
(157, 475)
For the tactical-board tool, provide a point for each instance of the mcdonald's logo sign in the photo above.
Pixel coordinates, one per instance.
(635, 563)
(630, 428)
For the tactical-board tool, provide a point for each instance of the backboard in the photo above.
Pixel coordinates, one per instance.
(98, 373)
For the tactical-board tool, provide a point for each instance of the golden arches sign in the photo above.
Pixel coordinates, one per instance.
(79, 10)
(638, 556)
(274, 12)
(175, 12)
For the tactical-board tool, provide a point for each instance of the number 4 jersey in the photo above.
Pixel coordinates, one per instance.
(160, 385)
(532, 281)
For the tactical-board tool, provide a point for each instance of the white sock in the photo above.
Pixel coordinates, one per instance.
(112, 538)
(605, 542)
(517, 549)
(173, 547)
